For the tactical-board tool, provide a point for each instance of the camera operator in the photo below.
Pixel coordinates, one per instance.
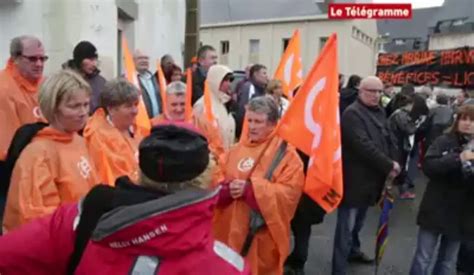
(447, 209)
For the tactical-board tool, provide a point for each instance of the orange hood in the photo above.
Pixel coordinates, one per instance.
(27, 85)
(56, 135)
(96, 121)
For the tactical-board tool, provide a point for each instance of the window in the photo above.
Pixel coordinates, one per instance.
(400, 42)
(225, 46)
(381, 46)
(417, 45)
(254, 46)
(322, 41)
(286, 41)
(459, 22)
(254, 50)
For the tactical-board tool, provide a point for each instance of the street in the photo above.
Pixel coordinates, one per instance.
(400, 248)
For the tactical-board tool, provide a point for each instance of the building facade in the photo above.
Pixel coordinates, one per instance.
(243, 38)
(156, 27)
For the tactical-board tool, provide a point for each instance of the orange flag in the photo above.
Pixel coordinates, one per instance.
(208, 105)
(188, 111)
(245, 129)
(290, 69)
(142, 121)
(162, 82)
(312, 125)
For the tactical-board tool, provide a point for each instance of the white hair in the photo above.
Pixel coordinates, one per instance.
(176, 87)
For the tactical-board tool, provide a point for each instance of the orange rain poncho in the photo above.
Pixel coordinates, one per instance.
(18, 104)
(114, 153)
(277, 200)
(53, 169)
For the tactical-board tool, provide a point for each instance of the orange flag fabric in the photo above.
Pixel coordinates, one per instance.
(142, 121)
(290, 69)
(312, 125)
(245, 130)
(162, 82)
(208, 105)
(188, 111)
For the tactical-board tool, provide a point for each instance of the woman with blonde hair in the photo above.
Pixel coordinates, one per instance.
(275, 89)
(55, 167)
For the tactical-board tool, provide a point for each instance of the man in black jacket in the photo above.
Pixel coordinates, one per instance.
(367, 161)
(85, 62)
(349, 94)
(254, 87)
(148, 84)
(207, 56)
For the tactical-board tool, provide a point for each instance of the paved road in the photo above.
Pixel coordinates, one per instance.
(400, 248)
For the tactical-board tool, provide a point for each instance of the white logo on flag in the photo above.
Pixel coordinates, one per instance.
(288, 68)
(311, 125)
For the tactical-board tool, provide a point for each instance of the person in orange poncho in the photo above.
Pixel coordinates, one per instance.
(246, 189)
(176, 112)
(55, 167)
(110, 135)
(19, 84)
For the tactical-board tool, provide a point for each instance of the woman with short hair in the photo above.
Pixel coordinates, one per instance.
(260, 177)
(275, 89)
(111, 135)
(174, 74)
(55, 167)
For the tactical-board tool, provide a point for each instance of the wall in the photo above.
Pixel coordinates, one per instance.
(62, 24)
(160, 27)
(448, 41)
(354, 56)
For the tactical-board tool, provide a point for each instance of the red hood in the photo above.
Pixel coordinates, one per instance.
(165, 227)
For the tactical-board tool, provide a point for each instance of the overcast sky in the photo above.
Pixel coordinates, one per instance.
(416, 4)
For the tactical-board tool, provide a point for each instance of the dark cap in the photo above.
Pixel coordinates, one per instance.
(173, 154)
(83, 50)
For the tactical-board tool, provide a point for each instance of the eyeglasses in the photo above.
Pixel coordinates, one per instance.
(34, 59)
(373, 91)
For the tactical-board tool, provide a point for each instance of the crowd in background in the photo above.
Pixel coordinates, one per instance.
(72, 137)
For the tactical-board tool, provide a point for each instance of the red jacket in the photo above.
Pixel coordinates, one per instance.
(169, 235)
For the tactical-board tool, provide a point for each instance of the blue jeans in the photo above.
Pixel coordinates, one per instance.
(346, 240)
(425, 250)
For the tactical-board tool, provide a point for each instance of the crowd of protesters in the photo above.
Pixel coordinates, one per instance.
(84, 191)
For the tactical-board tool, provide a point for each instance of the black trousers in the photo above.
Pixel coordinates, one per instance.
(302, 232)
(307, 214)
(466, 257)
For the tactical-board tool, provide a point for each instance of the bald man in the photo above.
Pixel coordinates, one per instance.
(148, 84)
(367, 162)
(19, 84)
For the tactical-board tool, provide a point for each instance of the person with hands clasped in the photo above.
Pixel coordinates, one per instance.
(261, 180)
(447, 210)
